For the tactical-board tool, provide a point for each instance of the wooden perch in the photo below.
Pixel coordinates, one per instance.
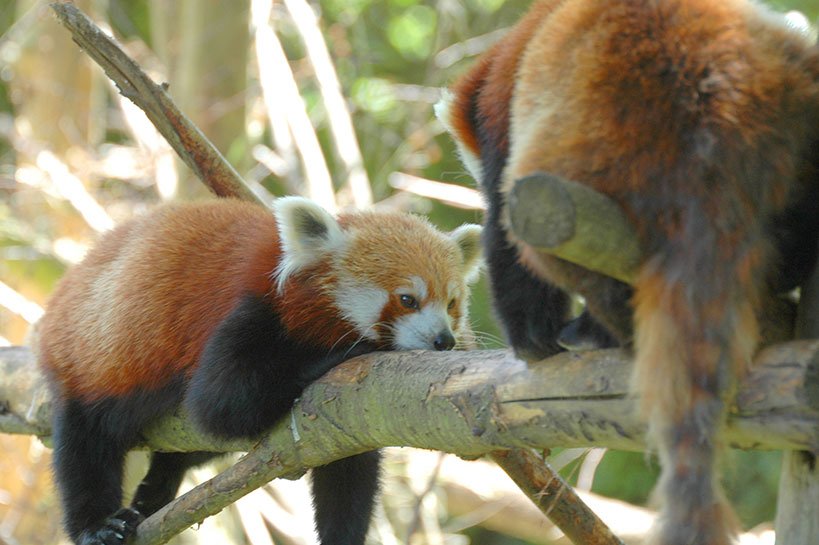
(469, 403)
(571, 221)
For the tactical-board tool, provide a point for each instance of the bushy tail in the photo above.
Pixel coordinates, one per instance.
(344, 494)
(695, 334)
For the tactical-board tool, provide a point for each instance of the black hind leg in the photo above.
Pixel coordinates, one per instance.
(90, 443)
(88, 467)
(164, 476)
(343, 497)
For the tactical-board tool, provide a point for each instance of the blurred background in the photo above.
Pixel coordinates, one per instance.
(331, 99)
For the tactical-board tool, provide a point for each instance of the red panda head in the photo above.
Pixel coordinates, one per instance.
(399, 282)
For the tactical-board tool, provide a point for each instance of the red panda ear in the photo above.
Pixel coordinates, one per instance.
(307, 233)
(448, 113)
(468, 239)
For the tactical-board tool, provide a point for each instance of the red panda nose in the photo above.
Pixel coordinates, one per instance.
(444, 341)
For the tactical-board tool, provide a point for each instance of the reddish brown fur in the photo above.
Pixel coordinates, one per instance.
(491, 83)
(699, 119)
(164, 258)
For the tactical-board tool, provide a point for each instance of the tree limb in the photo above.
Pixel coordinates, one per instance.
(544, 486)
(797, 508)
(469, 403)
(573, 222)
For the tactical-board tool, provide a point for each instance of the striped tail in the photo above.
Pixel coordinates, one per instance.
(696, 332)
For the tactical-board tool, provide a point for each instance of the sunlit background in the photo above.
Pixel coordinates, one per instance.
(337, 107)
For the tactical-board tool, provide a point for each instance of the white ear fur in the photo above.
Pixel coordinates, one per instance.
(468, 239)
(307, 234)
(443, 111)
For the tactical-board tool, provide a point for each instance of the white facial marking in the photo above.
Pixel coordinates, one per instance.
(361, 304)
(417, 331)
(418, 289)
(452, 290)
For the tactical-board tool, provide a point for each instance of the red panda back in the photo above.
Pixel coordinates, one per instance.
(138, 310)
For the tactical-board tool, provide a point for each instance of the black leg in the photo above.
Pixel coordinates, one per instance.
(164, 476)
(90, 444)
(531, 311)
(88, 466)
(251, 372)
(343, 497)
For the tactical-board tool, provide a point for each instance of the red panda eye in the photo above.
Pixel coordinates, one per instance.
(451, 305)
(409, 301)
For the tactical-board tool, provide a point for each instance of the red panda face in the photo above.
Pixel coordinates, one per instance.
(397, 280)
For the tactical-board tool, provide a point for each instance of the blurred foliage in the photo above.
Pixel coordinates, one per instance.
(392, 57)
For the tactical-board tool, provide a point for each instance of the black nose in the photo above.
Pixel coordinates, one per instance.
(444, 341)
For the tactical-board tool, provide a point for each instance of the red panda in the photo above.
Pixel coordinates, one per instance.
(701, 120)
(232, 311)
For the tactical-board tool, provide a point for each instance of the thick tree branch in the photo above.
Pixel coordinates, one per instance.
(469, 403)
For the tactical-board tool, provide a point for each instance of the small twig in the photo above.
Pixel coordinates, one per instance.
(185, 138)
(451, 194)
(18, 304)
(555, 497)
(415, 521)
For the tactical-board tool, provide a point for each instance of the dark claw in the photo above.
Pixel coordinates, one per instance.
(114, 530)
(584, 333)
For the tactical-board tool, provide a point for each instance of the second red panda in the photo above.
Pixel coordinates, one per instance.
(701, 120)
(233, 311)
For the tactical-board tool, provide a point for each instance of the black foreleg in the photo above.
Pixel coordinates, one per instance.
(531, 311)
(164, 476)
(344, 494)
(251, 372)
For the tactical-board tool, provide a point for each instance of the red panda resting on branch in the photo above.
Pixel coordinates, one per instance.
(233, 311)
(701, 120)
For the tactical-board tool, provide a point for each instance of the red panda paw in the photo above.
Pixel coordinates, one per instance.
(115, 530)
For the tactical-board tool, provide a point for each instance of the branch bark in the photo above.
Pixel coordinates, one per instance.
(469, 403)
(797, 509)
(573, 222)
